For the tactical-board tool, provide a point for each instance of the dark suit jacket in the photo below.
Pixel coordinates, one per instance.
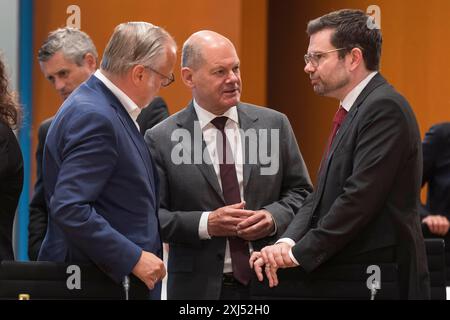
(153, 114)
(100, 185)
(366, 200)
(436, 169)
(37, 225)
(195, 266)
(11, 182)
(149, 116)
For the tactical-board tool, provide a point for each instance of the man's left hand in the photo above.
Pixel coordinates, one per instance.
(257, 226)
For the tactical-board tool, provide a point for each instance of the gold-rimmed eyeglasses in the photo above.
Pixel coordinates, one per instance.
(167, 80)
(314, 57)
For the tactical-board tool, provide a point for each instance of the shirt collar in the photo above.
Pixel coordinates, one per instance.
(131, 107)
(205, 117)
(351, 97)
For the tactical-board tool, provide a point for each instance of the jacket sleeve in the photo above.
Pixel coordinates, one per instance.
(88, 158)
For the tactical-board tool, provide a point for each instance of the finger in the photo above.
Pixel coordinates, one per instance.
(269, 275)
(432, 226)
(255, 255)
(241, 213)
(251, 220)
(274, 276)
(240, 205)
(279, 259)
(271, 257)
(264, 254)
(150, 284)
(258, 269)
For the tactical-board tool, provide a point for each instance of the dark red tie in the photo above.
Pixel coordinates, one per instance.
(239, 250)
(337, 121)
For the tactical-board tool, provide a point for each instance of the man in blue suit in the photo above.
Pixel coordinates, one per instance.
(99, 178)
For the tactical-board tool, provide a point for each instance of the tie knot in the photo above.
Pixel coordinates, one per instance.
(340, 116)
(220, 122)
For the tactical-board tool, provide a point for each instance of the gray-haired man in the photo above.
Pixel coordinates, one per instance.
(100, 182)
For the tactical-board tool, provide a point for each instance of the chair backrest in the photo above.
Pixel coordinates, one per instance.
(49, 280)
(435, 249)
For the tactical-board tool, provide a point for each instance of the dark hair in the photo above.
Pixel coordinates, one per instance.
(352, 29)
(10, 112)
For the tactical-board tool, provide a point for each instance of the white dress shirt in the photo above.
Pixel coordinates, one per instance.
(347, 104)
(131, 107)
(234, 138)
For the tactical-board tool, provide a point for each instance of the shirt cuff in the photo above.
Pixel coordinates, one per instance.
(203, 226)
(291, 243)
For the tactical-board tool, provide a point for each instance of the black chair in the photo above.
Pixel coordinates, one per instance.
(48, 280)
(329, 283)
(428, 235)
(435, 249)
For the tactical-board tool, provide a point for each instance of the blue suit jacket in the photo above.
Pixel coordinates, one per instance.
(100, 185)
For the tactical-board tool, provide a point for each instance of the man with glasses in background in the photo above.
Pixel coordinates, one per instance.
(364, 210)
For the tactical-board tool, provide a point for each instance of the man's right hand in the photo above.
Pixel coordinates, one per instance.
(223, 222)
(150, 269)
(437, 224)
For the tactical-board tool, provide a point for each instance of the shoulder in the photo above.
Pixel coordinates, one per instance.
(441, 129)
(44, 126)
(5, 133)
(265, 116)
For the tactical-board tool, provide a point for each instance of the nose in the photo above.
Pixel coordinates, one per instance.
(309, 68)
(232, 76)
(59, 84)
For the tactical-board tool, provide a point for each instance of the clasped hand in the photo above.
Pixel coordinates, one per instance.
(269, 260)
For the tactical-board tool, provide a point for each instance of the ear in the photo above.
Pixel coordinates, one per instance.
(137, 74)
(90, 61)
(187, 76)
(356, 57)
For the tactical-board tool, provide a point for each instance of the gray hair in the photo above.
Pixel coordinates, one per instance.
(191, 56)
(73, 43)
(134, 43)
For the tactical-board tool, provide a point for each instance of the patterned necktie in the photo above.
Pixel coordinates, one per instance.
(239, 249)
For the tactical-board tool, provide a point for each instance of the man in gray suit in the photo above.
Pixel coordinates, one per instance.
(231, 176)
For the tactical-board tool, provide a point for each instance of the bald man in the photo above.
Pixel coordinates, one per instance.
(232, 176)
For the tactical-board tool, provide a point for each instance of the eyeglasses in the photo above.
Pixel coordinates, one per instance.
(167, 81)
(314, 57)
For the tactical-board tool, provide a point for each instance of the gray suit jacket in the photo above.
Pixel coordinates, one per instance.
(187, 190)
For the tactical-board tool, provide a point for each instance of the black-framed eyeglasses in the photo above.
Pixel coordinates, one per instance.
(314, 57)
(167, 81)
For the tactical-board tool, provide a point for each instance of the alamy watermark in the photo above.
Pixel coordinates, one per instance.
(74, 20)
(74, 279)
(374, 19)
(259, 146)
(373, 282)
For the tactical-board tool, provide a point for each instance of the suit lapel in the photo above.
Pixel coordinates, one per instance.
(188, 120)
(129, 126)
(372, 85)
(246, 121)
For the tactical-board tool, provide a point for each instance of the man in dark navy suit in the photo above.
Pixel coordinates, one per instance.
(364, 210)
(67, 58)
(100, 182)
